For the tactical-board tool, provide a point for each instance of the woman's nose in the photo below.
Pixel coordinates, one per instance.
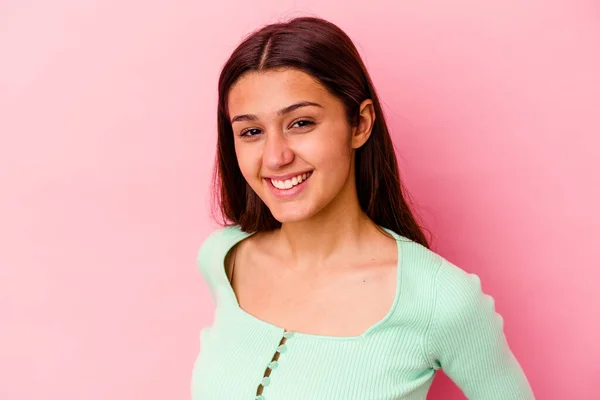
(277, 152)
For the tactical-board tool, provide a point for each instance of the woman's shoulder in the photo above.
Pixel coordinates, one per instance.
(445, 284)
(222, 235)
(427, 264)
(215, 246)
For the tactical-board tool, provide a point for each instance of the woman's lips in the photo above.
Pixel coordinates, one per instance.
(287, 193)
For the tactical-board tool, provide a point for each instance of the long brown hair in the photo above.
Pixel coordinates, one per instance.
(322, 50)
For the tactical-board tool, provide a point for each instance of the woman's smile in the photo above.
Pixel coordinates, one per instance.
(288, 186)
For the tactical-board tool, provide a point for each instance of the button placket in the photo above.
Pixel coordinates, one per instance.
(266, 380)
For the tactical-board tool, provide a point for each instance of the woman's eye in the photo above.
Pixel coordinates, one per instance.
(250, 132)
(302, 123)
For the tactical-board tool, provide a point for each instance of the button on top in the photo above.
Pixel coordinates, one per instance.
(288, 335)
(259, 397)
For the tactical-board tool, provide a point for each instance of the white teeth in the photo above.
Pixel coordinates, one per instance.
(289, 183)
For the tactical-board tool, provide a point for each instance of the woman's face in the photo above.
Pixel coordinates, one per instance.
(293, 142)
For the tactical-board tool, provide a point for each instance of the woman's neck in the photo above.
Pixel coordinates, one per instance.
(327, 236)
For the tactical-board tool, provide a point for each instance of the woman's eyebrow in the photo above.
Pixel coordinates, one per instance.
(282, 112)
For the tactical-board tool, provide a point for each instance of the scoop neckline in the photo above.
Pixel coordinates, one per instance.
(236, 305)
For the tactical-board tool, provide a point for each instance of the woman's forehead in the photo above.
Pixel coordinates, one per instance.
(267, 91)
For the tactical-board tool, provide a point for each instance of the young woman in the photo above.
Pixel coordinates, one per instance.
(324, 284)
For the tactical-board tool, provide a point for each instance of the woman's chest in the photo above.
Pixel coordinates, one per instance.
(236, 354)
(337, 305)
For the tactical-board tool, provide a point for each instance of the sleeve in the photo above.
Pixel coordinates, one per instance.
(466, 340)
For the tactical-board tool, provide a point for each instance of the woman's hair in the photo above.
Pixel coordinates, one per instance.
(322, 50)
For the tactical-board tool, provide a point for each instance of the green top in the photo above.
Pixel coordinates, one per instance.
(440, 318)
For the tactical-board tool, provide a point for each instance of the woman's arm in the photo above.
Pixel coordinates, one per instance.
(466, 339)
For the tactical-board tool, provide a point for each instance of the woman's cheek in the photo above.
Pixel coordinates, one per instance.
(249, 167)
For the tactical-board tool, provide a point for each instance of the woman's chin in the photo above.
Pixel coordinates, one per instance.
(287, 215)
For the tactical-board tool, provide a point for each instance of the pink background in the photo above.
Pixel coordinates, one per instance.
(107, 121)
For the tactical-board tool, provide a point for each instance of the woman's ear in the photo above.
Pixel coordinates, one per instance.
(362, 132)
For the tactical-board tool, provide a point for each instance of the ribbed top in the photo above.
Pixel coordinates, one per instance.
(440, 318)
